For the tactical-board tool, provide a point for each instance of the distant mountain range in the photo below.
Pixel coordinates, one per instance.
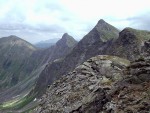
(46, 43)
(66, 70)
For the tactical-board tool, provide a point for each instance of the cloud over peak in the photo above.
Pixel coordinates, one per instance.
(36, 20)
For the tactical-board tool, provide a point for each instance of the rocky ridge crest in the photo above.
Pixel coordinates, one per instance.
(86, 88)
(102, 84)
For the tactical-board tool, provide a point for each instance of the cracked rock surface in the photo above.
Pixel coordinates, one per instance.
(86, 89)
(102, 84)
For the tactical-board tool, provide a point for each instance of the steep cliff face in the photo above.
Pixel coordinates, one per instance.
(102, 84)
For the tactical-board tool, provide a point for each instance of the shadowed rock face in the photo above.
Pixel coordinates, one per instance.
(102, 84)
(146, 49)
(128, 45)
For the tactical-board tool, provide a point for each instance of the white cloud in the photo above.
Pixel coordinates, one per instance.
(36, 20)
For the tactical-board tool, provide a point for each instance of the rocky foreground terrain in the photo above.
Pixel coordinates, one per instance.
(102, 84)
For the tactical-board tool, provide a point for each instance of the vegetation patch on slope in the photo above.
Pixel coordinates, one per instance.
(16, 103)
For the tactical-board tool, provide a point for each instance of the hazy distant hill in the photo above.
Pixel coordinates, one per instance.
(47, 43)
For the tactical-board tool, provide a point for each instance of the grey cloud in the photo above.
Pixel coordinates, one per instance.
(12, 27)
(40, 28)
(52, 6)
(49, 28)
(140, 22)
(14, 21)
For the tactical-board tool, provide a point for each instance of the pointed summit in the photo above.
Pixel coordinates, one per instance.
(66, 40)
(66, 36)
(102, 25)
(101, 32)
(101, 21)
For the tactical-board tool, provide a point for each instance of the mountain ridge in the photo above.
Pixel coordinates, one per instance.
(101, 84)
(54, 63)
(81, 52)
(128, 45)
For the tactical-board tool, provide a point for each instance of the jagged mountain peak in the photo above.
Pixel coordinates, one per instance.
(66, 40)
(101, 21)
(102, 32)
(66, 36)
(103, 25)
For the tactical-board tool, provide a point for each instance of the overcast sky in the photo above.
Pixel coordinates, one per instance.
(36, 20)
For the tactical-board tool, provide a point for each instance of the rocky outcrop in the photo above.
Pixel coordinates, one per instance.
(128, 45)
(86, 88)
(133, 92)
(146, 49)
(103, 84)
